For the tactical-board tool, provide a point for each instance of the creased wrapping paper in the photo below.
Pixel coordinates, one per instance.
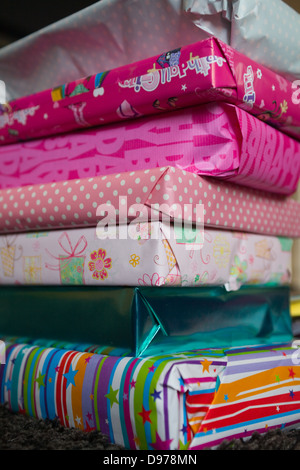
(165, 192)
(151, 254)
(214, 139)
(147, 322)
(192, 400)
(205, 71)
(111, 33)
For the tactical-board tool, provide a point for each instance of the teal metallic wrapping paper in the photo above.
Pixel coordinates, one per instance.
(147, 320)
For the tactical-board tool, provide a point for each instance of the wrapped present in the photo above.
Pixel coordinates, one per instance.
(72, 262)
(205, 71)
(150, 254)
(63, 51)
(71, 272)
(32, 269)
(148, 321)
(7, 258)
(214, 139)
(192, 400)
(148, 195)
(9, 255)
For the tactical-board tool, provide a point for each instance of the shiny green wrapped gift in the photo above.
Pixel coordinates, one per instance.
(148, 320)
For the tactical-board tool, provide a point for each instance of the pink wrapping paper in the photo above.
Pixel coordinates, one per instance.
(216, 139)
(208, 70)
(166, 192)
(157, 256)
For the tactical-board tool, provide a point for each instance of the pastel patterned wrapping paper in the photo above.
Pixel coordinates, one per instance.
(153, 254)
(192, 400)
(147, 322)
(215, 139)
(167, 192)
(205, 71)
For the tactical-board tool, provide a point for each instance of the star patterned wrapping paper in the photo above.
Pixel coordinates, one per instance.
(191, 400)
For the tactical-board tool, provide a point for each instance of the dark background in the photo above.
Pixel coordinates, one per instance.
(18, 18)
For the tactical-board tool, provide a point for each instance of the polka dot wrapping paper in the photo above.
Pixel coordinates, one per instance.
(165, 192)
(205, 71)
(216, 139)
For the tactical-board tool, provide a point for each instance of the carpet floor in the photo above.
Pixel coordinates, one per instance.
(22, 432)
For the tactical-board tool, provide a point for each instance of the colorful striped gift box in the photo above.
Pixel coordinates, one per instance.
(192, 400)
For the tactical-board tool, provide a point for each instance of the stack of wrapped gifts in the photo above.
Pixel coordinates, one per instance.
(146, 232)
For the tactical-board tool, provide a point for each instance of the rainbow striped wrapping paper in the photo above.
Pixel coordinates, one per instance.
(189, 401)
